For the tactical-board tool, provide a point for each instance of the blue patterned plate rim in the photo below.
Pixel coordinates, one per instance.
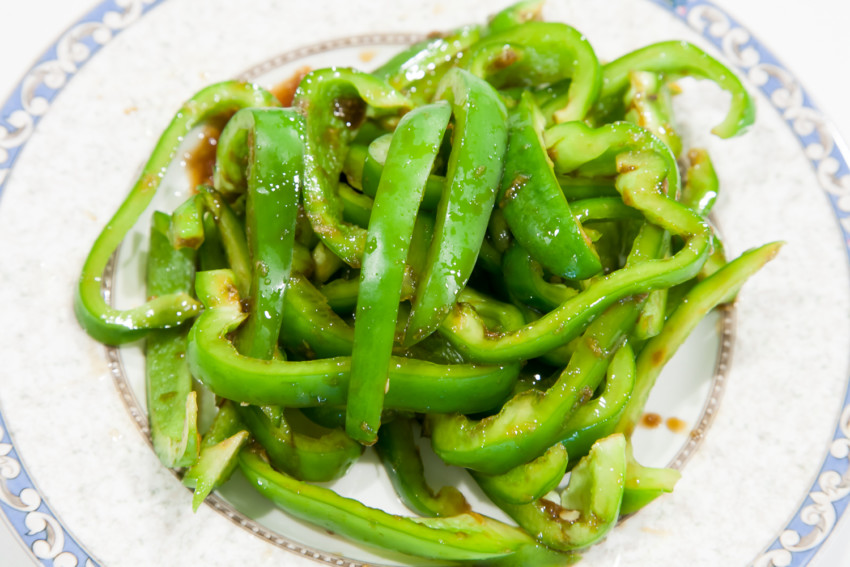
(51, 543)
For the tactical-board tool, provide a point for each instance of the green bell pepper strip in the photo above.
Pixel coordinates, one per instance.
(533, 421)
(701, 182)
(311, 328)
(403, 463)
(701, 299)
(700, 193)
(498, 230)
(373, 167)
(578, 149)
(514, 15)
(233, 238)
(653, 315)
(598, 417)
(417, 70)
(528, 482)
(524, 280)
(186, 229)
(489, 258)
(413, 149)
(352, 167)
(356, 207)
(603, 208)
(524, 276)
(499, 316)
(590, 505)
(211, 254)
(314, 454)
(415, 385)
(341, 293)
(334, 102)
(464, 537)
(644, 484)
(649, 105)
(326, 262)
(219, 451)
(530, 190)
(268, 145)
(472, 179)
(172, 405)
(536, 53)
(640, 182)
(579, 188)
(676, 59)
(113, 326)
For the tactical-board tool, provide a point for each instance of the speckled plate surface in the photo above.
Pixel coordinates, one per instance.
(765, 486)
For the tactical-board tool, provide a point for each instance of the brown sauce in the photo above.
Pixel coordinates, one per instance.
(200, 160)
(284, 91)
(650, 420)
(676, 425)
(367, 55)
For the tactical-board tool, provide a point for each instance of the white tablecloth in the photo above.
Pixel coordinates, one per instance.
(811, 38)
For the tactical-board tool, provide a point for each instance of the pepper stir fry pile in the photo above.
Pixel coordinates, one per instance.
(488, 238)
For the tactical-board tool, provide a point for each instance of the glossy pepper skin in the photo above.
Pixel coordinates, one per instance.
(529, 189)
(600, 416)
(410, 158)
(417, 71)
(472, 180)
(107, 324)
(267, 146)
(527, 482)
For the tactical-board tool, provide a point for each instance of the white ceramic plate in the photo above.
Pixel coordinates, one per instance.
(747, 496)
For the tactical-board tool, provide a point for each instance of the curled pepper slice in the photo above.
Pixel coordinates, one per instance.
(300, 447)
(403, 464)
(113, 326)
(680, 59)
(411, 155)
(268, 146)
(532, 421)
(472, 179)
(535, 53)
(528, 482)
(589, 506)
(334, 102)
